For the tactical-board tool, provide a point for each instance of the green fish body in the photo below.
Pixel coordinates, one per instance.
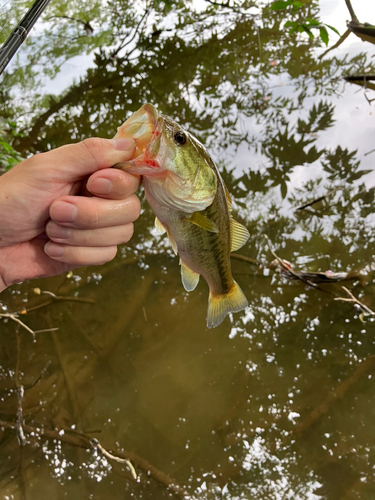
(191, 204)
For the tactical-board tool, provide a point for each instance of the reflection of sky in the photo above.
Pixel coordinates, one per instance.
(354, 126)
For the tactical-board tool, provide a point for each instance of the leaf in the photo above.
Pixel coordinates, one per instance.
(358, 175)
(312, 22)
(333, 29)
(306, 30)
(284, 189)
(324, 35)
(296, 6)
(280, 5)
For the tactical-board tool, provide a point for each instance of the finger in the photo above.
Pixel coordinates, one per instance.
(72, 162)
(92, 213)
(112, 183)
(80, 256)
(104, 237)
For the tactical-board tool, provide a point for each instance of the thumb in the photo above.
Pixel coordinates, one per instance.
(75, 161)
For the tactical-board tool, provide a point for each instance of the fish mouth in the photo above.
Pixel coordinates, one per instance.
(141, 126)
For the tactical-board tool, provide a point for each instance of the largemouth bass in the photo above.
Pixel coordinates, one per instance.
(191, 203)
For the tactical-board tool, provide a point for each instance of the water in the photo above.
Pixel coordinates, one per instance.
(278, 401)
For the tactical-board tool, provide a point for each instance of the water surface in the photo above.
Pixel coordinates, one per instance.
(278, 401)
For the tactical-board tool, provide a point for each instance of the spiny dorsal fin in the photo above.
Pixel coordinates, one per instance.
(204, 222)
(189, 278)
(160, 229)
(229, 199)
(239, 235)
(221, 305)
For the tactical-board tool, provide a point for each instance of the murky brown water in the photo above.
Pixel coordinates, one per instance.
(277, 402)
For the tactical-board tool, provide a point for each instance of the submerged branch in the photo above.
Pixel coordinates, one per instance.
(354, 300)
(14, 318)
(96, 445)
(338, 393)
(246, 259)
(82, 441)
(287, 268)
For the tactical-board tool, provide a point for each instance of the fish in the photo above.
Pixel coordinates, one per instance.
(191, 203)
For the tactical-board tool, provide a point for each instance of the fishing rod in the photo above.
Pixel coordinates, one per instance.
(19, 34)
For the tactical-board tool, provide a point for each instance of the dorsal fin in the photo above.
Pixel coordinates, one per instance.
(189, 278)
(229, 199)
(204, 222)
(238, 235)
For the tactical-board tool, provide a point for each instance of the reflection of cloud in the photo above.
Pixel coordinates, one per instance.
(276, 481)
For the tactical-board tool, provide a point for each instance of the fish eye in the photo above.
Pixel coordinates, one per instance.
(180, 138)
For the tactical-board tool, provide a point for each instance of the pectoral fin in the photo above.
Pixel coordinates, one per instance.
(239, 235)
(189, 278)
(204, 222)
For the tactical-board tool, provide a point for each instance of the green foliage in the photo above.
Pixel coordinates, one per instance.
(9, 157)
(283, 4)
(304, 25)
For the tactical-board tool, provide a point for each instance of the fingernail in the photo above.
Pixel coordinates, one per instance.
(123, 144)
(63, 211)
(99, 185)
(53, 250)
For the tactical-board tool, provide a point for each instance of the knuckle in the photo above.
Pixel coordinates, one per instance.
(95, 147)
(136, 206)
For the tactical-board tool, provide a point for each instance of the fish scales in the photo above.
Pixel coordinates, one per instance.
(191, 203)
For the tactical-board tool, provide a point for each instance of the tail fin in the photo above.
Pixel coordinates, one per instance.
(221, 305)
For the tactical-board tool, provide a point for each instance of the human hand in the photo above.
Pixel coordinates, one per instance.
(46, 229)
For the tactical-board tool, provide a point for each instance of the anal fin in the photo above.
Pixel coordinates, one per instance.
(189, 278)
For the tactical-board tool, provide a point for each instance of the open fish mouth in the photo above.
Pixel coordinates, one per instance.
(141, 127)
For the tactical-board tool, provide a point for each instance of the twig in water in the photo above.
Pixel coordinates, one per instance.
(97, 446)
(20, 393)
(369, 152)
(46, 330)
(284, 266)
(144, 313)
(354, 300)
(337, 44)
(83, 441)
(42, 373)
(37, 291)
(293, 273)
(19, 425)
(13, 317)
(246, 259)
(316, 200)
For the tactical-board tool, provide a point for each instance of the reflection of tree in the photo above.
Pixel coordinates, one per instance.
(214, 56)
(240, 399)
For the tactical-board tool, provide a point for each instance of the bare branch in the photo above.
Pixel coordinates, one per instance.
(96, 445)
(13, 317)
(354, 300)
